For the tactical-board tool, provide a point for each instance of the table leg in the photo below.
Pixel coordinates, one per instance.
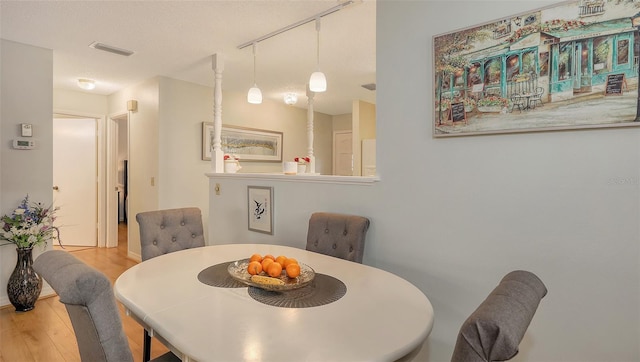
(146, 349)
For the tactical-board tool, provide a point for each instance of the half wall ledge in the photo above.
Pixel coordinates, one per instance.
(326, 179)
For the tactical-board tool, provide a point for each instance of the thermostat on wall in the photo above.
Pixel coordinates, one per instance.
(19, 144)
(26, 130)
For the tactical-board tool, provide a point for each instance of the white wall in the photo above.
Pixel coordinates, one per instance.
(364, 127)
(79, 103)
(166, 142)
(551, 203)
(454, 215)
(183, 108)
(25, 71)
(143, 152)
(277, 116)
(342, 122)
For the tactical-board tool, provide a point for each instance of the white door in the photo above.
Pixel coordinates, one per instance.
(369, 157)
(342, 153)
(74, 180)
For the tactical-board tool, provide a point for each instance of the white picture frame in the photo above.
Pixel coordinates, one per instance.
(260, 209)
(248, 144)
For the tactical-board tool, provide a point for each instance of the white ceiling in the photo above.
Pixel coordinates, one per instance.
(177, 38)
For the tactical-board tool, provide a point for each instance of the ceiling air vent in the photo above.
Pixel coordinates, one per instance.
(110, 49)
(370, 86)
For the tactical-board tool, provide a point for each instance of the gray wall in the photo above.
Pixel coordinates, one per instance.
(564, 205)
(25, 97)
(454, 215)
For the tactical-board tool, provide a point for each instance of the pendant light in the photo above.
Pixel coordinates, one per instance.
(255, 95)
(318, 82)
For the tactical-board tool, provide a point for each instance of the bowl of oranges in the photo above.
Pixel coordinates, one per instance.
(271, 273)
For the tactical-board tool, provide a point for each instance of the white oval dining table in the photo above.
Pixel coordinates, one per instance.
(381, 317)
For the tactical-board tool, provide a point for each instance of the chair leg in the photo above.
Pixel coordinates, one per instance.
(146, 349)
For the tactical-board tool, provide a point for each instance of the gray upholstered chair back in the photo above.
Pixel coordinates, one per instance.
(337, 235)
(88, 296)
(166, 231)
(493, 331)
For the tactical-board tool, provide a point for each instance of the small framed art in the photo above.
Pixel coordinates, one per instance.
(260, 209)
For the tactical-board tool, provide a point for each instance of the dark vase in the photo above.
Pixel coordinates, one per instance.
(24, 284)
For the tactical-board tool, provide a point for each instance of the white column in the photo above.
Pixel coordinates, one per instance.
(217, 156)
(312, 163)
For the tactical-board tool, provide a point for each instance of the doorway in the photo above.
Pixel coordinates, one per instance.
(75, 175)
(117, 179)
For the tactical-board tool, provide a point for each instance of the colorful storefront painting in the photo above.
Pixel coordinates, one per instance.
(563, 53)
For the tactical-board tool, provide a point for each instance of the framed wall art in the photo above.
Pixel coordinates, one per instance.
(248, 144)
(554, 68)
(207, 140)
(260, 209)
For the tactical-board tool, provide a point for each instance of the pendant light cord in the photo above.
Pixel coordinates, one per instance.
(254, 63)
(318, 42)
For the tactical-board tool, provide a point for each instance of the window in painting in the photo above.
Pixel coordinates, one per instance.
(446, 82)
(529, 62)
(502, 29)
(636, 49)
(584, 58)
(513, 66)
(601, 55)
(473, 75)
(544, 64)
(458, 78)
(492, 70)
(564, 61)
(530, 19)
(623, 51)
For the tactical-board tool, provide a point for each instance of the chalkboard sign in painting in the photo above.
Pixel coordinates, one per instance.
(574, 70)
(457, 112)
(614, 84)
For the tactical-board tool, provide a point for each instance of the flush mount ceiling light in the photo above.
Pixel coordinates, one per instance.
(317, 81)
(87, 84)
(290, 98)
(255, 95)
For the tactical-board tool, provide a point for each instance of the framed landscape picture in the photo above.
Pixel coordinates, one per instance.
(248, 144)
(572, 65)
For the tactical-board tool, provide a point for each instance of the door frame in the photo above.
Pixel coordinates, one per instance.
(111, 167)
(101, 178)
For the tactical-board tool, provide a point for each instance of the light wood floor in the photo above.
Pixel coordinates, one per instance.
(46, 334)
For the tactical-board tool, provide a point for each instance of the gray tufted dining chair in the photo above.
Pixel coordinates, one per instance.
(88, 297)
(337, 235)
(166, 231)
(495, 329)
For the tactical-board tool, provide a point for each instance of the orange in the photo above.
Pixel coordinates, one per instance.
(269, 256)
(256, 257)
(281, 260)
(290, 261)
(265, 263)
(254, 267)
(274, 270)
(293, 270)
